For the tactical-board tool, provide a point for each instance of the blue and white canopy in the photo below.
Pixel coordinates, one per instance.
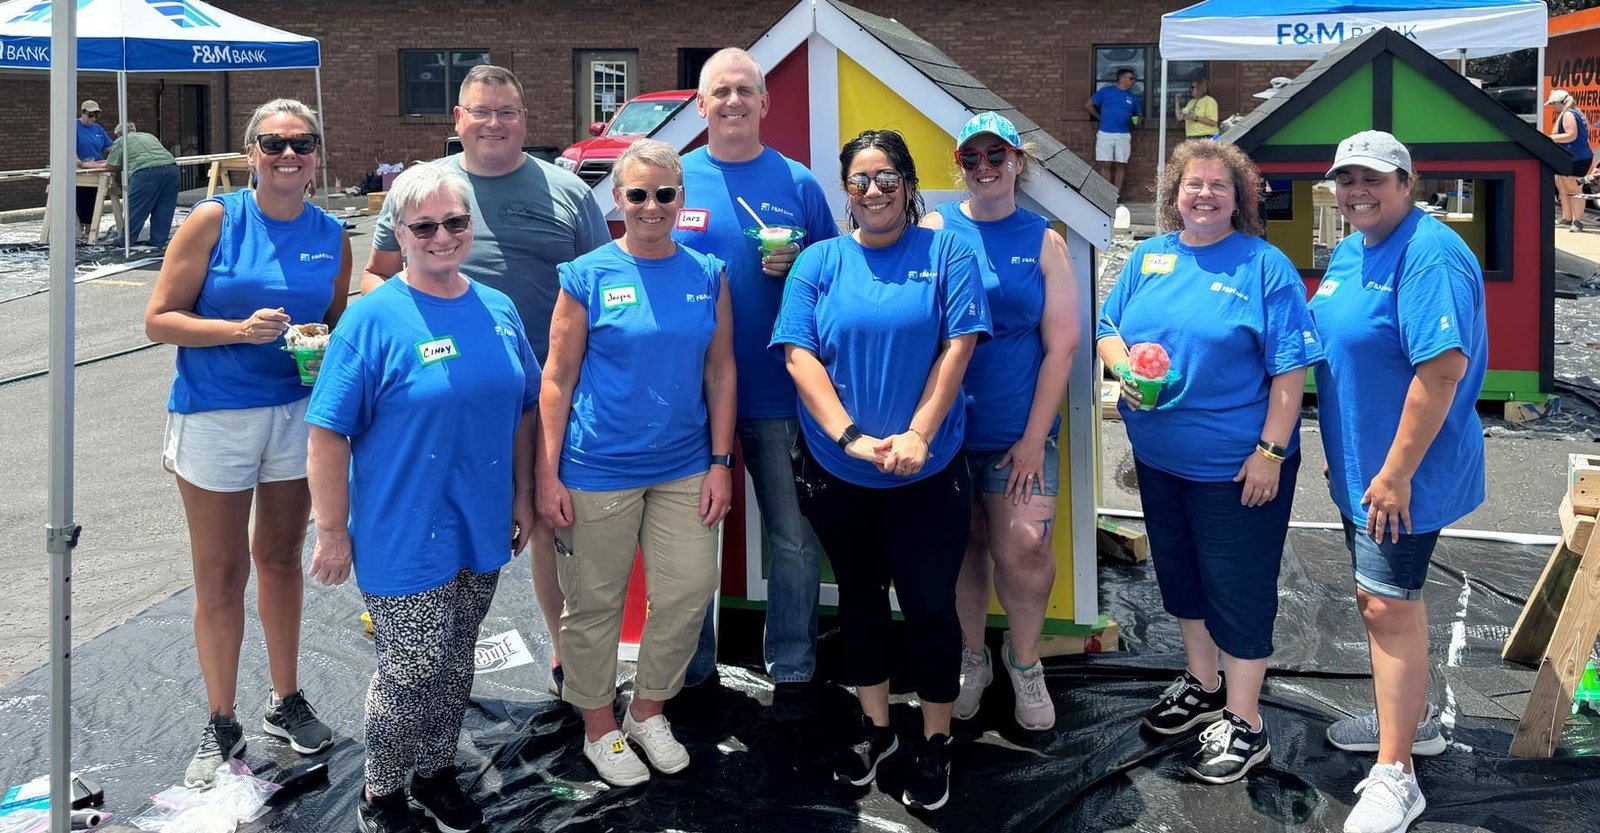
(1296, 30)
(152, 36)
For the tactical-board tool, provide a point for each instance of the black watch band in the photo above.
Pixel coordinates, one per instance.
(852, 432)
(725, 460)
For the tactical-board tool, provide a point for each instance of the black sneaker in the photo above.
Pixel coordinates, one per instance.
(441, 798)
(385, 814)
(223, 738)
(857, 764)
(293, 720)
(930, 780)
(1228, 749)
(1186, 704)
(791, 702)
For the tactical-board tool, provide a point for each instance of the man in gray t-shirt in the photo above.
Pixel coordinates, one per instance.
(527, 217)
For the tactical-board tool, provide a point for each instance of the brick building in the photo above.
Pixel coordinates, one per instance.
(390, 70)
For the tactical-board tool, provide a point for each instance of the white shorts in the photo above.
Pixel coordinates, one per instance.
(1112, 147)
(232, 451)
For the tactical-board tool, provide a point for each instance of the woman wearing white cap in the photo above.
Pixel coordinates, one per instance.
(1401, 312)
(1570, 129)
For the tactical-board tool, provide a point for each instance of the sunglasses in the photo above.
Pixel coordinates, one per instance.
(427, 229)
(996, 154)
(272, 144)
(93, 114)
(888, 182)
(664, 195)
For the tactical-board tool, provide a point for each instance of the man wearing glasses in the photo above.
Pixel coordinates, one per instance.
(527, 217)
(92, 146)
(735, 165)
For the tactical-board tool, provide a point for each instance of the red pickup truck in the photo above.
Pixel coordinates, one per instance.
(591, 159)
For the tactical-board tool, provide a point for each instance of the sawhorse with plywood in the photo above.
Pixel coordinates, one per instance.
(222, 171)
(1561, 619)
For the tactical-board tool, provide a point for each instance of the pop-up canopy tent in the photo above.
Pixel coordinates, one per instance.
(124, 36)
(1305, 30)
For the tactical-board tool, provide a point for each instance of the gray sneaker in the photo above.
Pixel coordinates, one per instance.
(976, 675)
(1390, 801)
(1035, 711)
(222, 739)
(293, 720)
(1360, 734)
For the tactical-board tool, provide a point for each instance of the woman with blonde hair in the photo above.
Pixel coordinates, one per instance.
(1570, 129)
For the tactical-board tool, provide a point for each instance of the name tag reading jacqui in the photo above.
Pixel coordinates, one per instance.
(619, 296)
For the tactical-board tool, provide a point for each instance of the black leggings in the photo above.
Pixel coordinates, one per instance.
(915, 535)
(85, 207)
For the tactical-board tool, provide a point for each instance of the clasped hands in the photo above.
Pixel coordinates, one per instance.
(902, 455)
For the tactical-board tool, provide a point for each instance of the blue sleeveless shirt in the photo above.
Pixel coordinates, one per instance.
(1579, 146)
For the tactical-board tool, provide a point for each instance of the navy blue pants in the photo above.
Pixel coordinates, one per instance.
(153, 196)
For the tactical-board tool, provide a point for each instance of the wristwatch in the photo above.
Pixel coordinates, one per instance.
(724, 460)
(852, 432)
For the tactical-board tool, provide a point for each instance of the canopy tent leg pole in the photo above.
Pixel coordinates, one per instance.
(1538, 88)
(322, 114)
(1161, 140)
(61, 534)
(127, 195)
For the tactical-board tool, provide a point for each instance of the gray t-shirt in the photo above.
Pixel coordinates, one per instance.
(523, 224)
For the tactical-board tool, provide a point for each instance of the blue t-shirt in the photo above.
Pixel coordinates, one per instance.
(1231, 316)
(639, 410)
(783, 192)
(1383, 310)
(430, 392)
(1579, 146)
(1004, 370)
(876, 319)
(92, 142)
(258, 263)
(1117, 107)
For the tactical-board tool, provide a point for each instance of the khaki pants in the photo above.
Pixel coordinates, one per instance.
(594, 560)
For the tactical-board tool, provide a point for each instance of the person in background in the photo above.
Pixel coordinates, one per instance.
(240, 270)
(877, 328)
(93, 143)
(637, 418)
(1118, 109)
(1014, 386)
(1402, 314)
(527, 216)
(1200, 114)
(152, 183)
(735, 165)
(1218, 455)
(1570, 129)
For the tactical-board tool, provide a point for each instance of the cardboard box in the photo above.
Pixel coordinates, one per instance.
(1062, 644)
(1530, 411)
(375, 201)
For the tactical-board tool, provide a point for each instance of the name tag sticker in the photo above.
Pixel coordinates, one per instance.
(619, 296)
(694, 219)
(435, 350)
(1155, 264)
(1327, 288)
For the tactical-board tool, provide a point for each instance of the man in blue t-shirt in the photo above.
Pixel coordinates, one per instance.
(1118, 110)
(735, 165)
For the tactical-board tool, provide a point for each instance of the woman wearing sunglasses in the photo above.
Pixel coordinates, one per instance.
(876, 328)
(240, 270)
(1014, 387)
(424, 504)
(637, 416)
(1218, 451)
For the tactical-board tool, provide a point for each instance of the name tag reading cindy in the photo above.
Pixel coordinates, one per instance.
(619, 296)
(1155, 264)
(435, 350)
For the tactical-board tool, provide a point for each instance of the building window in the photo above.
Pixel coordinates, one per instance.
(1145, 61)
(430, 80)
(608, 88)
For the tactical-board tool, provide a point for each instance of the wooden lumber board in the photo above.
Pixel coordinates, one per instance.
(1531, 634)
(1576, 529)
(1120, 542)
(1110, 394)
(1583, 483)
(1563, 663)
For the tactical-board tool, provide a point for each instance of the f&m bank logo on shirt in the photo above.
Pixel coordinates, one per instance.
(1016, 259)
(1219, 286)
(922, 275)
(1444, 322)
(777, 209)
(310, 257)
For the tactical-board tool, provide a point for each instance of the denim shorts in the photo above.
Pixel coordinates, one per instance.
(986, 479)
(1391, 569)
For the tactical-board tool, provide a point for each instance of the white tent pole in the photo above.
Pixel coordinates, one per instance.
(127, 195)
(61, 534)
(321, 114)
(1538, 88)
(1161, 141)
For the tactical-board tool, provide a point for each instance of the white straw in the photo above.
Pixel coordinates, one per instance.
(752, 212)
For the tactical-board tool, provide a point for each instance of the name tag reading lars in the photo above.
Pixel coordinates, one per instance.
(1155, 264)
(435, 350)
(694, 219)
(619, 296)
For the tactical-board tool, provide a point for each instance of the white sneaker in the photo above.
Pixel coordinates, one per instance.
(614, 759)
(1390, 801)
(654, 736)
(1035, 710)
(976, 675)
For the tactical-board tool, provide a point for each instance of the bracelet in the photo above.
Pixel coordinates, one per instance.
(920, 436)
(1275, 453)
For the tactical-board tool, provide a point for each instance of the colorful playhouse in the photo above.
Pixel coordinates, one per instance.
(1483, 171)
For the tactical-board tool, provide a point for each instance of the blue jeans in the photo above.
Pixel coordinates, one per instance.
(152, 195)
(794, 560)
(1391, 569)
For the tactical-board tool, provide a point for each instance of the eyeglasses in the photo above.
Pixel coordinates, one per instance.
(664, 195)
(272, 144)
(968, 158)
(506, 114)
(1217, 186)
(93, 114)
(888, 182)
(427, 229)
